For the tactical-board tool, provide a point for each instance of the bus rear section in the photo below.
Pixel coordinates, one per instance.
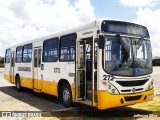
(9, 66)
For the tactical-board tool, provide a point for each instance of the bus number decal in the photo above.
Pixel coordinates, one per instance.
(108, 77)
(56, 70)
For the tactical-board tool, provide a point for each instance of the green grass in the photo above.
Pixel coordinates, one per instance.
(149, 106)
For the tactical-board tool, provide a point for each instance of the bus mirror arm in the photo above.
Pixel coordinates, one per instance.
(101, 41)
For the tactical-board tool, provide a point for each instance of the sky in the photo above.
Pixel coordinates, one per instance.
(22, 20)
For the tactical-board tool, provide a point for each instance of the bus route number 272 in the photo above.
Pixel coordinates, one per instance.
(56, 70)
(108, 77)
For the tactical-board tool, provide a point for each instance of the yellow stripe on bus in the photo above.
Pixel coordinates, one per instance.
(41, 85)
(7, 77)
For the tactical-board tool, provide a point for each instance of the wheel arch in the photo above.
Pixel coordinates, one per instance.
(60, 84)
(19, 88)
(17, 75)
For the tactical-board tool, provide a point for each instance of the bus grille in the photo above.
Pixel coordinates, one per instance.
(128, 90)
(132, 83)
(131, 98)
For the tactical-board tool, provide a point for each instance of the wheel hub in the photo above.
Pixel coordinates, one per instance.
(66, 95)
(17, 85)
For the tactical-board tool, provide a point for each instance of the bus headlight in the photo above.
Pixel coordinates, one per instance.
(111, 89)
(149, 87)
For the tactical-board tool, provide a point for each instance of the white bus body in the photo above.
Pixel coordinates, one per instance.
(80, 66)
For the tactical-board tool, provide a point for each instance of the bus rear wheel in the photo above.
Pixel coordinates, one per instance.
(66, 95)
(18, 85)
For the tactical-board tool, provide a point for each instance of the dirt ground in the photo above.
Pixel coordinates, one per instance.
(51, 108)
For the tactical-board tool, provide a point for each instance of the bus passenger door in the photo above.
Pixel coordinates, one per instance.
(85, 71)
(37, 69)
(12, 80)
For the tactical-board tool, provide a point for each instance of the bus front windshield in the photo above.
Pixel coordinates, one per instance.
(125, 56)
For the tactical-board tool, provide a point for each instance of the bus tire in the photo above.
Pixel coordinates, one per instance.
(18, 85)
(66, 95)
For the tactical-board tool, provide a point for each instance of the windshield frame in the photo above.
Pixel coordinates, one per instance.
(133, 56)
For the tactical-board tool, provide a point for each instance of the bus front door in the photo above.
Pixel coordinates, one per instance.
(37, 69)
(85, 71)
(12, 77)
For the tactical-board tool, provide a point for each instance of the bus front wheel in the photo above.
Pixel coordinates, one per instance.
(18, 85)
(66, 95)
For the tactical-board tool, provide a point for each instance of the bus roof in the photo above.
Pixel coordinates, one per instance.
(97, 22)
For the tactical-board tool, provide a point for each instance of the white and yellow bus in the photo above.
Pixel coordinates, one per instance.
(104, 64)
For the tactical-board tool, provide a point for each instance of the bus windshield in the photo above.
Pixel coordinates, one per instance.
(125, 56)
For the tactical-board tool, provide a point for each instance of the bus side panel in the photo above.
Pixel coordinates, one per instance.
(7, 75)
(53, 88)
(7, 70)
(55, 71)
(47, 78)
(67, 72)
(24, 70)
(10, 77)
(26, 82)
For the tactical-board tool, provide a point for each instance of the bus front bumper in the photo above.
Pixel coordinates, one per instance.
(107, 100)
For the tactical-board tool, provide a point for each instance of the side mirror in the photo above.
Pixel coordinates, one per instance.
(101, 42)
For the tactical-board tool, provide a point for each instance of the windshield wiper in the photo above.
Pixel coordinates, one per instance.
(140, 42)
(118, 37)
(125, 54)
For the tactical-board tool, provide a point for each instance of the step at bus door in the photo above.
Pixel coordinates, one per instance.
(37, 69)
(84, 71)
(12, 76)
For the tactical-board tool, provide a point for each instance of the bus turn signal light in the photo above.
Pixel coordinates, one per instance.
(104, 82)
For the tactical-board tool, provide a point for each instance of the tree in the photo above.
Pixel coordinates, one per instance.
(1, 60)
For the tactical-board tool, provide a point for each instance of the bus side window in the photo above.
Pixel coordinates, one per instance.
(50, 50)
(27, 53)
(39, 57)
(35, 57)
(8, 56)
(19, 54)
(67, 47)
(64, 50)
(72, 46)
